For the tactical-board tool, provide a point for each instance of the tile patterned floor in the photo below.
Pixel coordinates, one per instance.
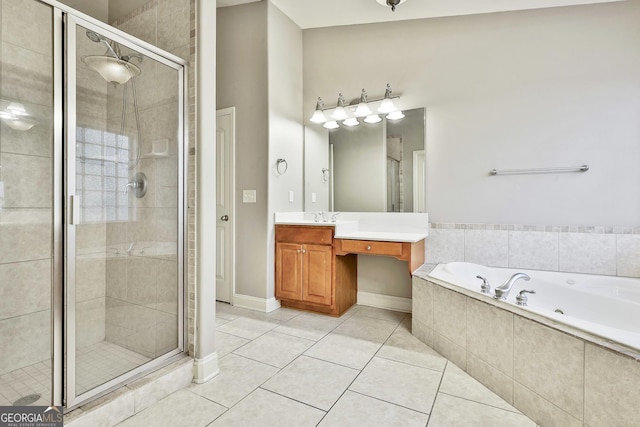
(96, 364)
(290, 368)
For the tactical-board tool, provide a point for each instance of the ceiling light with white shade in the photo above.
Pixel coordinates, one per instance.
(391, 3)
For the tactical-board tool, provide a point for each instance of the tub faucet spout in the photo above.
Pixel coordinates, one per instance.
(503, 291)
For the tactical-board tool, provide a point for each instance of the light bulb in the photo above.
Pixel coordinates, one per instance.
(351, 121)
(374, 118)
(396, 115)
(331, 125)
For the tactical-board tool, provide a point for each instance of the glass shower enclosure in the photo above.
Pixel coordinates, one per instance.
(92, 213)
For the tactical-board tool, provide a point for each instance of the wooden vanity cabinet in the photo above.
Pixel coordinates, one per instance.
(308, 274)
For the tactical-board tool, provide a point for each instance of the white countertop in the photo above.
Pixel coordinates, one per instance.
(378, 226)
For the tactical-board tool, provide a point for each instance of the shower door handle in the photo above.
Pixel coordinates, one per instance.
(74, 210)
(224, 218)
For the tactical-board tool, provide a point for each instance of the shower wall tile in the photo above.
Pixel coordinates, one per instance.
(38, 141)
(533, 250)
(167, 286)
(91, 238)
(444, 245)
(166, 333)
(167, 182)
(90, 277)
(588, 253)
(160, 122)
(142, 26)
(25, 234)
(27, 181)
(28, 24)
(25, 340)
(141, 281)
(487, 247)
(166, 225)
(26, 75)
(28, 282)
(140, 227)
(173, 24)
(90, 322)
(628, 255)
(116, 278)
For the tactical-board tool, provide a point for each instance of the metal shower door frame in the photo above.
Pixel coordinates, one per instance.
(66, 21)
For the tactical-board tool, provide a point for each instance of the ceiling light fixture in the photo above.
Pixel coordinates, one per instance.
(16, 116)
(391, 3)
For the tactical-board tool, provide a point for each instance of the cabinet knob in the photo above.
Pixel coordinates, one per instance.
(304, 251)
(368, 247)
(298, 251)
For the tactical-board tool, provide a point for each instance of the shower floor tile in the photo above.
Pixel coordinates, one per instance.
(100, 362)
(96, 364)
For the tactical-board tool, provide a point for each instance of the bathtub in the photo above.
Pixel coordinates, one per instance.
(604, 306)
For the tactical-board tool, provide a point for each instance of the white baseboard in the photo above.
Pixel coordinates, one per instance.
(205, 369)
(385, 301)
(253, 303)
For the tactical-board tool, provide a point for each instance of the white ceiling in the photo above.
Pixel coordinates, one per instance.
(329, 13)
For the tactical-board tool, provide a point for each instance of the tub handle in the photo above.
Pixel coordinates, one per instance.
(485, 288)
(521, 298)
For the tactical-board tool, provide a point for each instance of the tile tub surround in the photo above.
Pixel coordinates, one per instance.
(518, 358)
(592, 250)
(400, 381)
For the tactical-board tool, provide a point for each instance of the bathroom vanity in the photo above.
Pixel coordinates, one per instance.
(316, 265)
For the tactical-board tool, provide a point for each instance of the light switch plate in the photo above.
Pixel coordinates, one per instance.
(290, 196)
(248, 196)
(314, 199)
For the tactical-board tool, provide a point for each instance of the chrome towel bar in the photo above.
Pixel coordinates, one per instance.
(582, 168)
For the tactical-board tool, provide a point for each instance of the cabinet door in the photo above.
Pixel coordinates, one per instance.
(316, 274)
(288, 271)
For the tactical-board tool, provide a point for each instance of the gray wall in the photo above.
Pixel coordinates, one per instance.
(316, 158)
(242, 82)
(540, 88)
(285, 123)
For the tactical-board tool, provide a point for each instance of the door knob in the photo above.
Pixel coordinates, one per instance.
(224, 217)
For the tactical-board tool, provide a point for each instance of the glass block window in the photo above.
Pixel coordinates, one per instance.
(102, 173)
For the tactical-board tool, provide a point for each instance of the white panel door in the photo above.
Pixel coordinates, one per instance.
(225, 131)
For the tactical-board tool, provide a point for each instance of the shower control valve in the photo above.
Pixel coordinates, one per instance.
(138, 185)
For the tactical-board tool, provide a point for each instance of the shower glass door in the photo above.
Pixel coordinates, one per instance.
(124, 168)
(26, 202)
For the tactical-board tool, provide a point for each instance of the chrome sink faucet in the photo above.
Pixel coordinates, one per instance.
(502, 292)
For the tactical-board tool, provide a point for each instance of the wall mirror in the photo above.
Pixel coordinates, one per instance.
(367, 168)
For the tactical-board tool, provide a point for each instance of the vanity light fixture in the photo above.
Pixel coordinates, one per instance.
(363, 108)
(395, 115)
(332, 124)
(318, 115)
(373, 118)
(340, 113)
(349, 114)
(351, 121)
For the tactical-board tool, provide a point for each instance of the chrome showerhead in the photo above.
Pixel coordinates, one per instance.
(94, 37)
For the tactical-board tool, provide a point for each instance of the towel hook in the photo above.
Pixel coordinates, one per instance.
(325, 175)
(279, 162)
